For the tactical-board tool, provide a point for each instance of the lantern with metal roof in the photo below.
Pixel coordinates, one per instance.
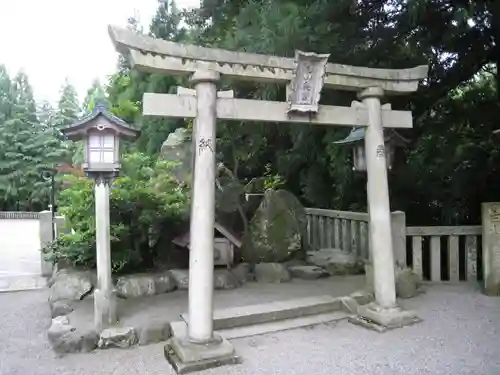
(101, 132)
(356, 138)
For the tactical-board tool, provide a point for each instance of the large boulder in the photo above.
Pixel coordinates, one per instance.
(144, 285)
(64, 338)
(178, 149)
(271, 273)
(154, 331)
(70, 285)
(335, 261)
(225, 279)
(277, 231)
(181, 278)
(242, 273)
(60, 308)
(307, 272)
(117, 337)
(408, 284)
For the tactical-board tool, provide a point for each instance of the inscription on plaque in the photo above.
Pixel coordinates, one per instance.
(307, 82)
(495, 214)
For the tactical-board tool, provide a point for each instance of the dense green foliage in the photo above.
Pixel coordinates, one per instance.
(144, 202)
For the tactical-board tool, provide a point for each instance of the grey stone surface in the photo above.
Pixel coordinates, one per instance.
(61, 307)
(271, 273)
(70, 285)
(154, 331)
(335, 261)
(177, 149)
(117, 337)
(225, 279)
(307, 272)
(459, 336)
(131, 286)
(277, 231)
(181, 278)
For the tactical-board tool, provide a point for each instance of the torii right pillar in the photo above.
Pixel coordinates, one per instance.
(383, 314)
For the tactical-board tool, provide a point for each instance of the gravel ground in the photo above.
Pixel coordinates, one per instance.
(460, 335)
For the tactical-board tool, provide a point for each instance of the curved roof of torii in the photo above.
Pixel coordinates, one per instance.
(160, 56)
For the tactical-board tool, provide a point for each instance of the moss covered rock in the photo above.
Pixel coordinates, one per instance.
(277, 231)
(178, 149)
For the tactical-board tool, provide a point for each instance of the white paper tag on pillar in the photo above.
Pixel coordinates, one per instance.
(380, 152)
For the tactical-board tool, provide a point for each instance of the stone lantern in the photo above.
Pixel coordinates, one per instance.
(101, 132)
(356, 138)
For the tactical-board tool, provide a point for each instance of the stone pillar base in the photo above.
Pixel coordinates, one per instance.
(380, 319)
(105, 310)
(185, 356)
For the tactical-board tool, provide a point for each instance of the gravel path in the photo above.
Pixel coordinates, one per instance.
(460, 335)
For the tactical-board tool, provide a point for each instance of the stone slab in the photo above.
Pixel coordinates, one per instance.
(179, 329)
(263, 313)
(186, 357)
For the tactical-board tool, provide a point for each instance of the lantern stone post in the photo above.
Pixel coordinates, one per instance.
(101, 132)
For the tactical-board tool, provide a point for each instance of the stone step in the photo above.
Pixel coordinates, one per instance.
(269, 312)
(16, 283)
(179, 329)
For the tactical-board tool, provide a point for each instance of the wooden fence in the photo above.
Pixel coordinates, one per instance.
(338, 229)
(445, 253)
(436, 253)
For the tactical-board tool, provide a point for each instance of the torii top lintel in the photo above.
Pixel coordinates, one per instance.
(160, 56)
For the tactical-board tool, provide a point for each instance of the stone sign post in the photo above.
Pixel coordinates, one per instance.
(491, 248)
(101, 132)
(304, 77)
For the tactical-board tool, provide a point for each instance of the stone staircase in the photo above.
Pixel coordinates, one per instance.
(244, 321)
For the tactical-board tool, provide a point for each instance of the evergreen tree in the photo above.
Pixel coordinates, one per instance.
(28, 145)
(68, 108)
(46, 114)
(95, 94)
(6, 98)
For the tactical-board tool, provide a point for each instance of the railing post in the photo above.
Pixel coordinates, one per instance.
(46, 231)
(398, 221)
(491, 248)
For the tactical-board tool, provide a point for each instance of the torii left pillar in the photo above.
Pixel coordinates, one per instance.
(202, 348)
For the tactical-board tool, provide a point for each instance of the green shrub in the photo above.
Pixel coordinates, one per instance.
(146, 204)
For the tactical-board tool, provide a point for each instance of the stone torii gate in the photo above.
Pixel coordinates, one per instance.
(304, 76)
